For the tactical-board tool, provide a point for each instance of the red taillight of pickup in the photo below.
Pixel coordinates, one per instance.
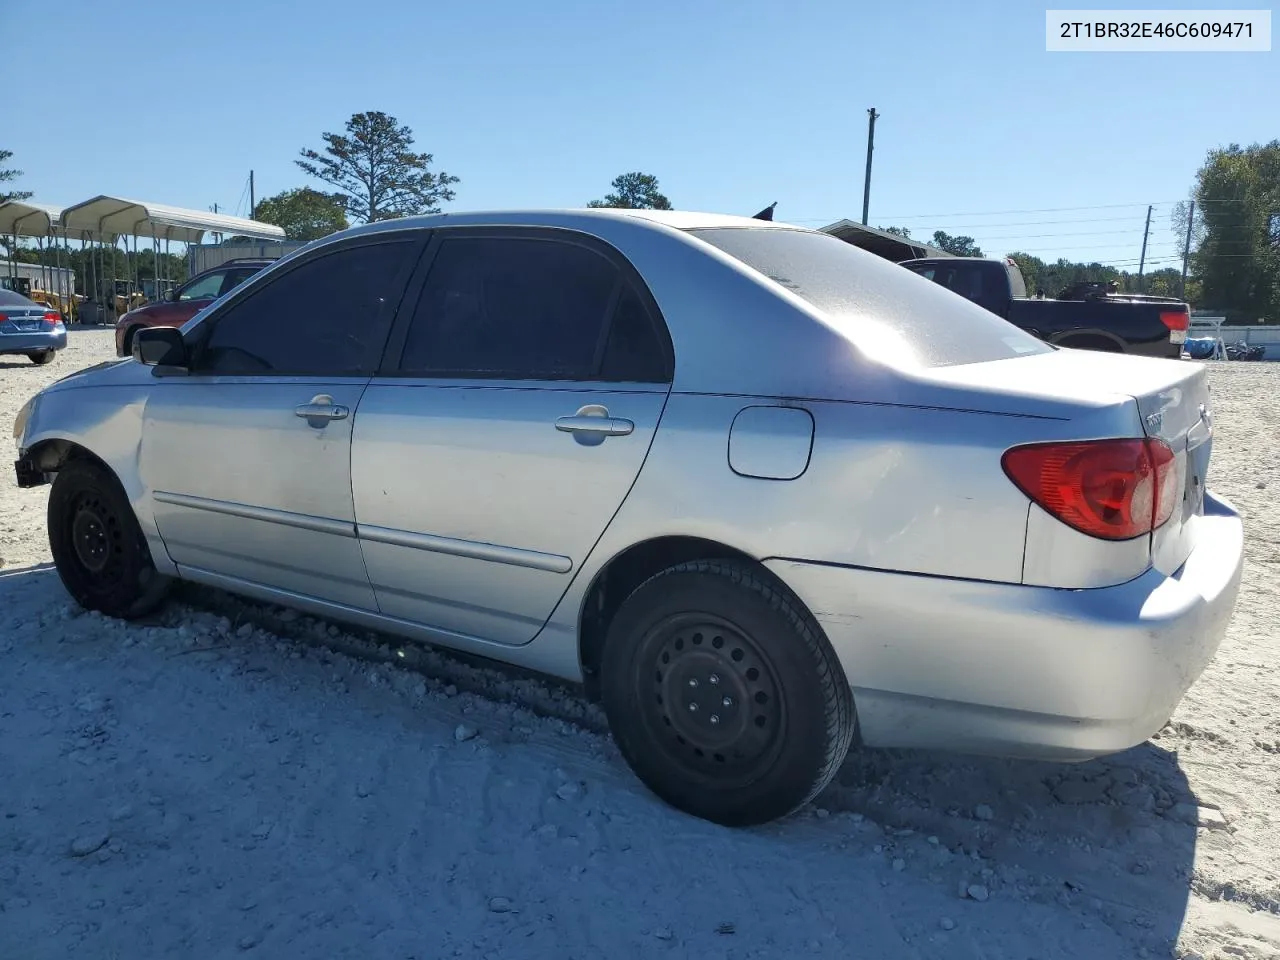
(1110, 489)
(1175, 319)
(52, 318)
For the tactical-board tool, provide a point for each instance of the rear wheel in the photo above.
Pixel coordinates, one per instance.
(1099, 344)
(723, 695)
(41, 357)
(98, 547)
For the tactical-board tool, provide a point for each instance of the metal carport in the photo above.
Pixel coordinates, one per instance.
(881, 242)
(114, 217)
(22, 218)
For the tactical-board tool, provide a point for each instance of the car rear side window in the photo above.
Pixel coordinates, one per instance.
(525, 308)
(235, 278)
(867, 296)
(328, 316)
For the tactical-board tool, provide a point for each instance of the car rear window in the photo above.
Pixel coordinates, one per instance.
(867, 296)
(10, 299)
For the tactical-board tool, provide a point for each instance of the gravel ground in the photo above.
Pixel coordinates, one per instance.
(201, 786)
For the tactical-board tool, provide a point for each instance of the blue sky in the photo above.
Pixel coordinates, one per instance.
(732, 105)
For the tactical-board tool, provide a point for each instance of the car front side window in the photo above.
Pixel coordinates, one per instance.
(203, 288)
(328, 316)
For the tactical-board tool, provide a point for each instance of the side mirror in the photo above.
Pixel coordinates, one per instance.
(160, 347)
(172, 295)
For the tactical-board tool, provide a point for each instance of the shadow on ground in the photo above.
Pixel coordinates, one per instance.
(1092, 857)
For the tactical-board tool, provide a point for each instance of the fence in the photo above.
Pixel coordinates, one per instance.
(206, 256)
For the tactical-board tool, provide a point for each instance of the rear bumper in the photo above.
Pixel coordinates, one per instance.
(32, 342)
(1023, 671)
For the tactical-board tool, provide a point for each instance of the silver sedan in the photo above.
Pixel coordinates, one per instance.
(766, 495)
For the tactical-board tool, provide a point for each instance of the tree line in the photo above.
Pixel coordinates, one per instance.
(1233, 214)
(372, 171)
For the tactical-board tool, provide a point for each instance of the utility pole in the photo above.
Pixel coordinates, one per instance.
(1186, 248)
(871, 139)
(1142, 261)
(253, 207)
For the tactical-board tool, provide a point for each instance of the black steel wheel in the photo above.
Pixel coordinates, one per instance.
(723, 694)
(98, 548)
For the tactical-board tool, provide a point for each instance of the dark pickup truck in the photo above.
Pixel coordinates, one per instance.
(1093, 319)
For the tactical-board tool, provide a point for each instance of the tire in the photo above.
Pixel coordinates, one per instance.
(1097, 344)
(41, 357)
(127, 341)
(98, 547)
(719, 635)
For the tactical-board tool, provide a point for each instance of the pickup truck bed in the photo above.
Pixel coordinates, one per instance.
(1148, 326)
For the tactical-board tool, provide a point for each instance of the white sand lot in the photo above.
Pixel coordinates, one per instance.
(198, 787)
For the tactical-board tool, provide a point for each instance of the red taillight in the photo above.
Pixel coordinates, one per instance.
(1112, 489)
(1175, 319)
(52, 318)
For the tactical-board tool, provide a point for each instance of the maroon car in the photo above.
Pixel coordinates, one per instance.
(185, 301)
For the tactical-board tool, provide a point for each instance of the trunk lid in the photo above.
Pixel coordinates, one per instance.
(1173, 404)
(22, 320)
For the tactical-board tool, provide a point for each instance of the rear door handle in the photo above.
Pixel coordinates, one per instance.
(321, 409)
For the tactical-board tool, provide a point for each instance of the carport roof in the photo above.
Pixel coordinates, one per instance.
(25, 219)
(881, 242)
(117, 216)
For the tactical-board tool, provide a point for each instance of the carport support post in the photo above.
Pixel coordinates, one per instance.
(866, 186)
(1142, 260)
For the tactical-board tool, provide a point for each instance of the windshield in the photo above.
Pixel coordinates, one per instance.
(872, 300)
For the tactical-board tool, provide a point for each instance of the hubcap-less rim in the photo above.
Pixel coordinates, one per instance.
(712, 698)
(96, 538)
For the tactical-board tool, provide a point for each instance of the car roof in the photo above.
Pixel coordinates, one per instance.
(582, 217)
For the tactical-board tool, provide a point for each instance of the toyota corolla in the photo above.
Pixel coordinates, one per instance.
(765, 494)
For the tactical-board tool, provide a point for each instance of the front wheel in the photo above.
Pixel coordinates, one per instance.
(41, 357)
(98, 547)
(723, 694)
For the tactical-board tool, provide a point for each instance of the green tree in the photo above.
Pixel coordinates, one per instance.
(902, 232)
(376, 171)
(634, 191)
(957, 246)
(1237, 191)
(304, 213)
(8, 175)
(1032, 270)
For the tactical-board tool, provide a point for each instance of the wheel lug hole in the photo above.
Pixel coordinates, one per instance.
(715, 719)
(714, 679)
(693, 681)
(727, 702)
(693, 708)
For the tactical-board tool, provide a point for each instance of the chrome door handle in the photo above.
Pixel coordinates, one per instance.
(321, 408)
(597, 425)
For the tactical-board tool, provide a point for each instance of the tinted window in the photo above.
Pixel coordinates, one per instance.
(9, 298)
(236, 277)
(634, 351)
(326, 317)
(874, 300)
(511, 307)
